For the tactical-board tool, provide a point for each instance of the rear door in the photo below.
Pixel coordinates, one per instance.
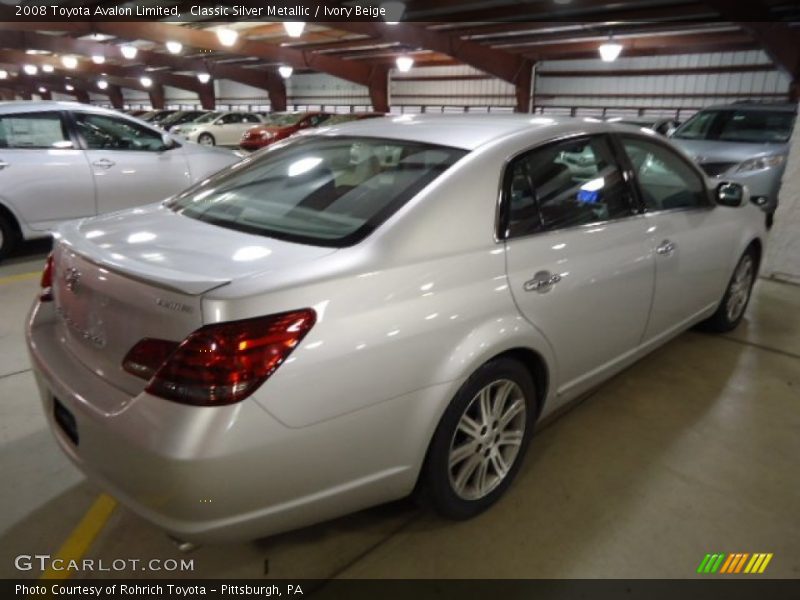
(578, 260)
(691, 240)
(44, 176)
(128, 161)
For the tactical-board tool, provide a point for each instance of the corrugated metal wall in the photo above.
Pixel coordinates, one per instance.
(671, 84)
(630, 85)
(456, 87)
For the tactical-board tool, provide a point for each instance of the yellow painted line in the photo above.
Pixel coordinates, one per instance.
(81, 538)
(756, 565)
(765, 563)
(753, 561)
(20, 277)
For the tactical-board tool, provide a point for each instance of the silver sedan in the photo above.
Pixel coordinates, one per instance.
(374, 309)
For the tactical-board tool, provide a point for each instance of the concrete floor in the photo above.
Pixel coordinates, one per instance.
(694, 450)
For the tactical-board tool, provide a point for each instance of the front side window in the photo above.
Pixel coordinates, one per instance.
(251, 119)
(34, 131)
(564, 184)
(330, 191)
(665, 180)
(103, 132)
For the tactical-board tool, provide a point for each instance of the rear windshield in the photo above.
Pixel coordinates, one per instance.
(326, 191)
(748, 126)
(283, 119)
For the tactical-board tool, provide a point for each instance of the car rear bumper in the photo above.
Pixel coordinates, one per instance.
(218, 473)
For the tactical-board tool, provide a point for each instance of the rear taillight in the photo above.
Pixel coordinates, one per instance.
(46, 295)
(222, 363)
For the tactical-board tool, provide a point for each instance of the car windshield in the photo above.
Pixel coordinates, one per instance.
(325, 191)
(283, 119)
(207, 118)
(336, 119)
(749, 126)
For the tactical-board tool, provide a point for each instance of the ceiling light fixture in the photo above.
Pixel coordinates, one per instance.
(30, 69)
(98, 59)
(294, 28)
(610, 51)
(227, 37)
(42, 90)
(404, 63)
(146, 81)
(129, 51)
(69, 88)
(393, 10)
(285, 71)
(102, 84)
(3, 74)
(174, 47)
(69, 61)
(204, 77)
(48, 68)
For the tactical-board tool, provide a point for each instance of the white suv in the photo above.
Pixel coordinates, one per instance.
(64, 160)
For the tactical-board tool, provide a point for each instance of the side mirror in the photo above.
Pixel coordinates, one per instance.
(731, 194)
(167, 143)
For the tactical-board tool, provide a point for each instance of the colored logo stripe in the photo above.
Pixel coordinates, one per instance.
(733, 563)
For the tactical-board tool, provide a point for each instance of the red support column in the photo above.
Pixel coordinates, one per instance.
(379, 89)
(208, 98)
(156, 94)
(115, 96)
(522, 83)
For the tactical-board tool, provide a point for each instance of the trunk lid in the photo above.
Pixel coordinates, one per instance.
(141, 273)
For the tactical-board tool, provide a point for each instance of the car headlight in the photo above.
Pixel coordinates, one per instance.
(761, 163)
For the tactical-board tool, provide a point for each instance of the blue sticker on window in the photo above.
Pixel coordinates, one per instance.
(588, 197)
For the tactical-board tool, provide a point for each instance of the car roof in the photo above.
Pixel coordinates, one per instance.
(45, 105)
(467, 132)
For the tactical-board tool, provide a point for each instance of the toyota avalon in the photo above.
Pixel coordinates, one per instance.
(374, 309)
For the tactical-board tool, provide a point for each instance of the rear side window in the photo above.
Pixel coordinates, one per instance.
(34, 131)
(329, 191)
(564, 184)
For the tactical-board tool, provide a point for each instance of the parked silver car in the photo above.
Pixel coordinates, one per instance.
(374, 308)
(747, 143)
(64, 160)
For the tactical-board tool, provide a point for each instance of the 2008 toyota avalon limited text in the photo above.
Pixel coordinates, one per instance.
(372, 310)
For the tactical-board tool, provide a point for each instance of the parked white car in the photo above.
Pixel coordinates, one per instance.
(371, 309)
(64, 160)
(219, 128)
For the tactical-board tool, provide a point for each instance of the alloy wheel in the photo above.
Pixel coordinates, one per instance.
(740, 288)
(487, 440)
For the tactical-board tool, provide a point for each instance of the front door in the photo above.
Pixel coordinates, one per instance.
(130, 165)
(578, 260)
(689, 237)
(44, 177)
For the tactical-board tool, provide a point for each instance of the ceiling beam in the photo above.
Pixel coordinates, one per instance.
(509, 67)
(269, 81)
(778, 39)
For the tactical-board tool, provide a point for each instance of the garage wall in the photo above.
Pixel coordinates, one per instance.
(449, 88)
(684, 83)
(318, 89)
(783, 253)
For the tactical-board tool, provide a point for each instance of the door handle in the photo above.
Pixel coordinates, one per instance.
(103, 163)
(666, 248)
(542, 282)
(3, 165)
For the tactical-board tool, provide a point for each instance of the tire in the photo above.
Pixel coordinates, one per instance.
(737, 295)
(9, 236)
(484, 467)
(206, 139)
